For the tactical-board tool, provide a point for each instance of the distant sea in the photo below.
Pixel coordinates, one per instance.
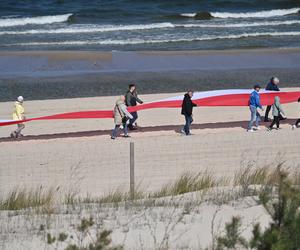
(148, 24)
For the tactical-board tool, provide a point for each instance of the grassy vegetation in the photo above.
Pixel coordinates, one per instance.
(263, 177)
(23, 198)
(277, 188)
(283, 206)
(101, 241)
(189, 182)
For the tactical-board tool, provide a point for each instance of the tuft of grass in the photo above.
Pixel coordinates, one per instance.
(251, 176)
(188, 182)
(119, 196)
(22, 198)
(71, 198)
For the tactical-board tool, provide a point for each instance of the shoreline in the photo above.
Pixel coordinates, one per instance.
(44, 75)
(64, 63)
(112, 84)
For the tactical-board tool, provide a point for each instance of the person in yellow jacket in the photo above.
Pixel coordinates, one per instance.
(18, 115)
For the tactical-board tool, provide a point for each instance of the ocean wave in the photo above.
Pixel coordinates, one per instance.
(142, 41)
(198, 15)
(91, 29)
(9, 22)
(240, 24)
(258, 14)
(100, 28)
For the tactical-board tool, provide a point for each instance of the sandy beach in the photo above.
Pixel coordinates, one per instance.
(79, 154)
(69, 184)
(77, 157)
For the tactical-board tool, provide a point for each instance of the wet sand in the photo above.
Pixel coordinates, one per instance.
(58, 74)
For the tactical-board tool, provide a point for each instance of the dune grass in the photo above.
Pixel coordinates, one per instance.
(187, 182)
(19, 199)
(251, 176)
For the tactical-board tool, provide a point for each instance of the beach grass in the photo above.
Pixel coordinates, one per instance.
(19, 199)
(187, 182)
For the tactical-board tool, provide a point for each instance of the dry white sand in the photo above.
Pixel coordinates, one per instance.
(96, 164)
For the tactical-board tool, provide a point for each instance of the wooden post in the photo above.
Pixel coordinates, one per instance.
(132, 171)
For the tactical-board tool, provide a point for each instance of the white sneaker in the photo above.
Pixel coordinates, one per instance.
(294, 127)
(256, 128)
(250, 130)
(182, 132)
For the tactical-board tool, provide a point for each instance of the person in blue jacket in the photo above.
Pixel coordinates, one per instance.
(273, 86)
(254, 104)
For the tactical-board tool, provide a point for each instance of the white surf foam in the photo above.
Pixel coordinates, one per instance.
(259, 14)
(91, 29)
(9, 22)
(142, 41)
(100, 29)
(240, 25)
(188, 14)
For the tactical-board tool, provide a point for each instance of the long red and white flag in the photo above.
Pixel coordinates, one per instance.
(230, 97)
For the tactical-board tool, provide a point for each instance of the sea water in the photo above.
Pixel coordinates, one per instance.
(148, 24)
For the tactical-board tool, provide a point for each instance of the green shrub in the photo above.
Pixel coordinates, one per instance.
(232, 239)
(284, 231)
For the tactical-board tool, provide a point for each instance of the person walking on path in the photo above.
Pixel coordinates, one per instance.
(254, 104)
(272, 86)
(296, 125)
(277, 113)
(18, 115)
(131, 101)
(187, 111)
(121, 117)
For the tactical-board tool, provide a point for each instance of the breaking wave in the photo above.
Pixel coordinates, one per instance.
(258, 14)
(10, 22)
(100, 28)
(142, 41)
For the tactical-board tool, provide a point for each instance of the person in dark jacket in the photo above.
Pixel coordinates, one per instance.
(187, 111)
(272, 86)
(296, 125)
(132, 100)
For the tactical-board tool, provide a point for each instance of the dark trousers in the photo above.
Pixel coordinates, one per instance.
(132, 121)
(117, 127)
(297, 122)
(267, 112)
(276, 121)
(188, 122)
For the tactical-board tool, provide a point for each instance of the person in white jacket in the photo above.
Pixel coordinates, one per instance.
(121, 117)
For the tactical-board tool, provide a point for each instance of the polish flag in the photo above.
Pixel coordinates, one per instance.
(230, 97)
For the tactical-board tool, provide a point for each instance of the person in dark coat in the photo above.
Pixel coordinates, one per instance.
(132, 100)
(187, 111)
(272, 86)
(296, 125)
